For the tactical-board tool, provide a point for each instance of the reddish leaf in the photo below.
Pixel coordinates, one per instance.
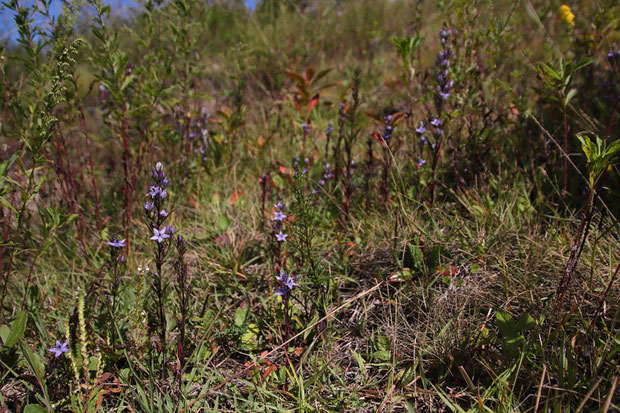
(295, 76)
(235, 196)
(313, 102)
(320, 75)
(284, 170)
(272, 367)
(193, 202)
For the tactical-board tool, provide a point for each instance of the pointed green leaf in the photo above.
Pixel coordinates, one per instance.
(18, 326)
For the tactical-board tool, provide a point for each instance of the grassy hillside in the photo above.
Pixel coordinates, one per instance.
(314, 206)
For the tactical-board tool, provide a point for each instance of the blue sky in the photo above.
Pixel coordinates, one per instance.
(118, 6)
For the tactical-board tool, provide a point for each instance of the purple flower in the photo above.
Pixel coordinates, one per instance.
(60, 348)
(279, 206)
(159, 236)
(327, 172)
(281, 237)
(444, 95)
(279, 216)
(613, 56)
(148, 206)
(423, 140)
(159, 167)
(117, 243)
(287, 283)
(154, 191)
(436, 122)
(421, 129)
(445, 33)
(171, 229)
(330, 128)
(421, 162)
(163, 213)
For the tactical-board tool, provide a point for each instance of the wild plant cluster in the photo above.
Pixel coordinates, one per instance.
(316, 205)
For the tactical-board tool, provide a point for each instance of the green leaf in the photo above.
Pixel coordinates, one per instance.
(571, 93)
(34, 408)
(506, 324)
(6, 203)
(127, 81)
(35, 362)
(4, 332)
(249, 338)
(241, 315)
(93, 363)
(525, 323)
(360, 360)
(382, 355)
(18, 326)
(382, 342)
(223, 222)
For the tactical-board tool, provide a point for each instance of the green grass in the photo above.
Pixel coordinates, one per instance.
(443, 290)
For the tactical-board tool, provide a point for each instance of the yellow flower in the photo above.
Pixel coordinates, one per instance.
(567, 15)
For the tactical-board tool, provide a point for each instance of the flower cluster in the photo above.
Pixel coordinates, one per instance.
(328, 135)
(287, 283)
(327, 175)
(200, 131)
(154, 205)
(306, 130)
(388, 129)
(444, 84)
(420, 131)
(278, 222)
(156, 217)
(296, 165)
(436, 122)
(567, 16)
(341, 118)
